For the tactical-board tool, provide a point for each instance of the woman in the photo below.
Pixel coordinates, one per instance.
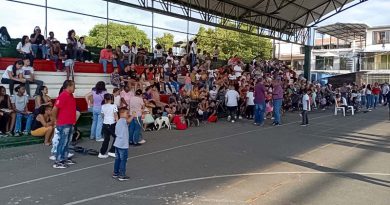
(119, 58)
(83, 52)
(376, 91)
(42, 99)
(94, 100)
(24, 48)
(70, 55)
(11, 75)
(369, 98)
(8, 113)
(73, 41)
(126, 96)
(136, 107)
(43, 125)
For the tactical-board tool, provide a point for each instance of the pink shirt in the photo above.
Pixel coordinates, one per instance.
(187, 80)
(136, 105)
(127, 96)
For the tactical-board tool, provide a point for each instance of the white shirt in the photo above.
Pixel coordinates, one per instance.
(232, 98)
(213, 94)
(197, 76)
(109, 111)
(250, 98)
(27, 71)
(193, 48)
(211, 73)
(26, 48)
(237, 70)
(80, 46)
(385, 89)
(306, 102)
(117, 100)
(125, 49)
(134, 50)
(159, 53)
(232, 77)
(9, 68)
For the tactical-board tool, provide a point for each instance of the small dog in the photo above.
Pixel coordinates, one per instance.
(162, 120)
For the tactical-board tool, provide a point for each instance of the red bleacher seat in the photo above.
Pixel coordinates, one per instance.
(44, 65)
(80, 102)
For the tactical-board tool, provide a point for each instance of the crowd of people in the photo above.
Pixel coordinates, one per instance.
(199, 92)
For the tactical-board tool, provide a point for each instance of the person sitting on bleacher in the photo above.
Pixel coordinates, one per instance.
(37, 40)
(7, 115)
(56, 54)
(106, 57)
(11, 75)
(25, 50)
(19, 104)
(83, 52)
(28, 74)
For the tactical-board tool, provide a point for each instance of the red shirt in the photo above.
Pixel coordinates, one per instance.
(179, 122)
(376, 91)
(66, 105)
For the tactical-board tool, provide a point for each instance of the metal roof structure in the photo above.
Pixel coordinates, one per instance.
(345, 31)
(286, 20)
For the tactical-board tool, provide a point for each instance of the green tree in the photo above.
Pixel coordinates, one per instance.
(166, 41)
(233, 43)
(117, 35)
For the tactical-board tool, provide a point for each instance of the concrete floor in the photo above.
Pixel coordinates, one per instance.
(335, 160)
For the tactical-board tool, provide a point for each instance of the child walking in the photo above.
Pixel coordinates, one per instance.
(110, 116)
(121, 145)
(306, 107)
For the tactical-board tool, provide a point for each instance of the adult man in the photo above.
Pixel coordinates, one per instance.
(133, 52)
(385, 90)
(36, 42)
(64, 117)
(125, 49)
(259, 102)
(277, 98)
(232, 98)
(193, 53)
(28, 74)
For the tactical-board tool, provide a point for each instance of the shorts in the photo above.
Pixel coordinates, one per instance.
(40, 132)
(69, 62)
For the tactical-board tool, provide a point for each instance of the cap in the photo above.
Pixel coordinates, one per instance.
(37, 28)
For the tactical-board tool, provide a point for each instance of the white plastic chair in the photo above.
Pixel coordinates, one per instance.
(336, 109)
(352, 109)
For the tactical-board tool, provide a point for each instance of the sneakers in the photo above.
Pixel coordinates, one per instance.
(115, 176)
(233, 121)
(229, 118)
(110, 154)
(69, 162)
(70, 155)
(240, 117)
(142, 142)
(60, 165)
(26, 133)
(100, 140)
(102, 156)
(303, 125)
(123, 178)
(52, 157)
(17, 134)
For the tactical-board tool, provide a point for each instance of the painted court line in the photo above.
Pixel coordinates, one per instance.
(150, 153)
(218, 177)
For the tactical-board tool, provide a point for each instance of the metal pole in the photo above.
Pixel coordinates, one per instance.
(273, 48)
(107, 26)
(152, 30)
(45, 18)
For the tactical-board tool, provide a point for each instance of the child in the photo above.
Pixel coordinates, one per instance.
(115, 78)
(117, 97)
(121, 145)
(19, 104)
(305, 108)
(188, 84)
(179, 121)
(250, 104)
(109, 112)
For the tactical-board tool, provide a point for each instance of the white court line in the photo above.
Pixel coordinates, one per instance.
(150, 153)
(218, 177)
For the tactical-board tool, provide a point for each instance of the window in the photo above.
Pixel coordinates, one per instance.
(324, 63)
(381, 37)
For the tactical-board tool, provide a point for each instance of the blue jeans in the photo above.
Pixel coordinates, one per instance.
(105, 62)
(43, 48)
(18, 124)
(97, 123)
(277, 103)
(135, 130)
(363, 99)
(375, 100)
(369, 101)
(210, 83)
(65, 133)
(120, 161)
(259, 113)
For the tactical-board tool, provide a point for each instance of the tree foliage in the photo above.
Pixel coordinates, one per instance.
(233, 43)
(117, 35)
(166, 41)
